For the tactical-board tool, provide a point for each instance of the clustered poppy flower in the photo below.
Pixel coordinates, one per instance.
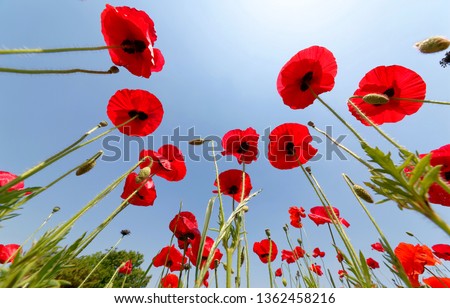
(126, 268)
(126, 104)
(393, 82)
(414, 259)
(168, 162)
(290, 256)
(318, 253)
(440, 156)
(437, 282)
(8, 253)
(289, 146)
(312, 68)
(146, 192)
(192, 252)
(185, 228)
(441, 251)
(295, 215)
(378, 247)
(372, 263)
(339, 257)
(316, 269)
(132, 34)
(231, 184)
(169, 281)
(279, 272)
(170, 257)
(265, 249)
(319, 215)
(243, 144)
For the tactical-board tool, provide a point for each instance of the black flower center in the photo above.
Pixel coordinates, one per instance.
(447, 176)
(290, 148)
(304, 82)
(169, 263)
(233, 190)
(141, 115)
(243, 147)
(135, 46)
(389, 92)
(264, 255)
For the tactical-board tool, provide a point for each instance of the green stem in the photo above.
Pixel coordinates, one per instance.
(269, 263)
(229, 253)
(73, 147)
(54, 50)
(382, 133)
(67, 71)
(358, 136)
(411, 100)
(124, 280)
(100, 262)
(353, 154)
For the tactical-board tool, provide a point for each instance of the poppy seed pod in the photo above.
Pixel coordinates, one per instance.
(362, 193)
(433, 44)
(376, 99)
(86, 167)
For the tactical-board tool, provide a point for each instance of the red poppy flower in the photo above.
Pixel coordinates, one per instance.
(292, 255)
(316, 269)
(126, 268)
(169, 281)
(442, 251)
(372, 263)
(279, 272)
(342, 274)
(295, 215)
(205, 280)
(168, 162)
(231, 184)
(192, 252)
(441, 156)
(184, 226)
(146, 194)
(414, 259)
(321, 216)
(6, 177)
(339, 257)
(437, 282)
(394, 82)
(262, 249)
(243, 144)
(170, 257)
(315, 68)
(8, 253)
(318, 253)
(126, 104)
(378, 247)
(134, 31)
(289, 146)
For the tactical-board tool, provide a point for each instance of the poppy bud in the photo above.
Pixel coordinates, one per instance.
(311, 123)
(410, 234)
(56, 209)
(267, 232)
(285, 228)
(299, 241)
(245, 208)
(113, 70)
(376, 99)
(284, 281)
(308, 169)
(143, 174)
(362, 193)
(103, 124)
(125, 232)
(242, 257)
(433, 44)
(199, 141)
(88, 165)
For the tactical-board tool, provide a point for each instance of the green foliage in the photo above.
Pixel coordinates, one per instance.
(80, 268)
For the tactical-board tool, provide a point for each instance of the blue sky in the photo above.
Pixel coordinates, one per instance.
(222, 61)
